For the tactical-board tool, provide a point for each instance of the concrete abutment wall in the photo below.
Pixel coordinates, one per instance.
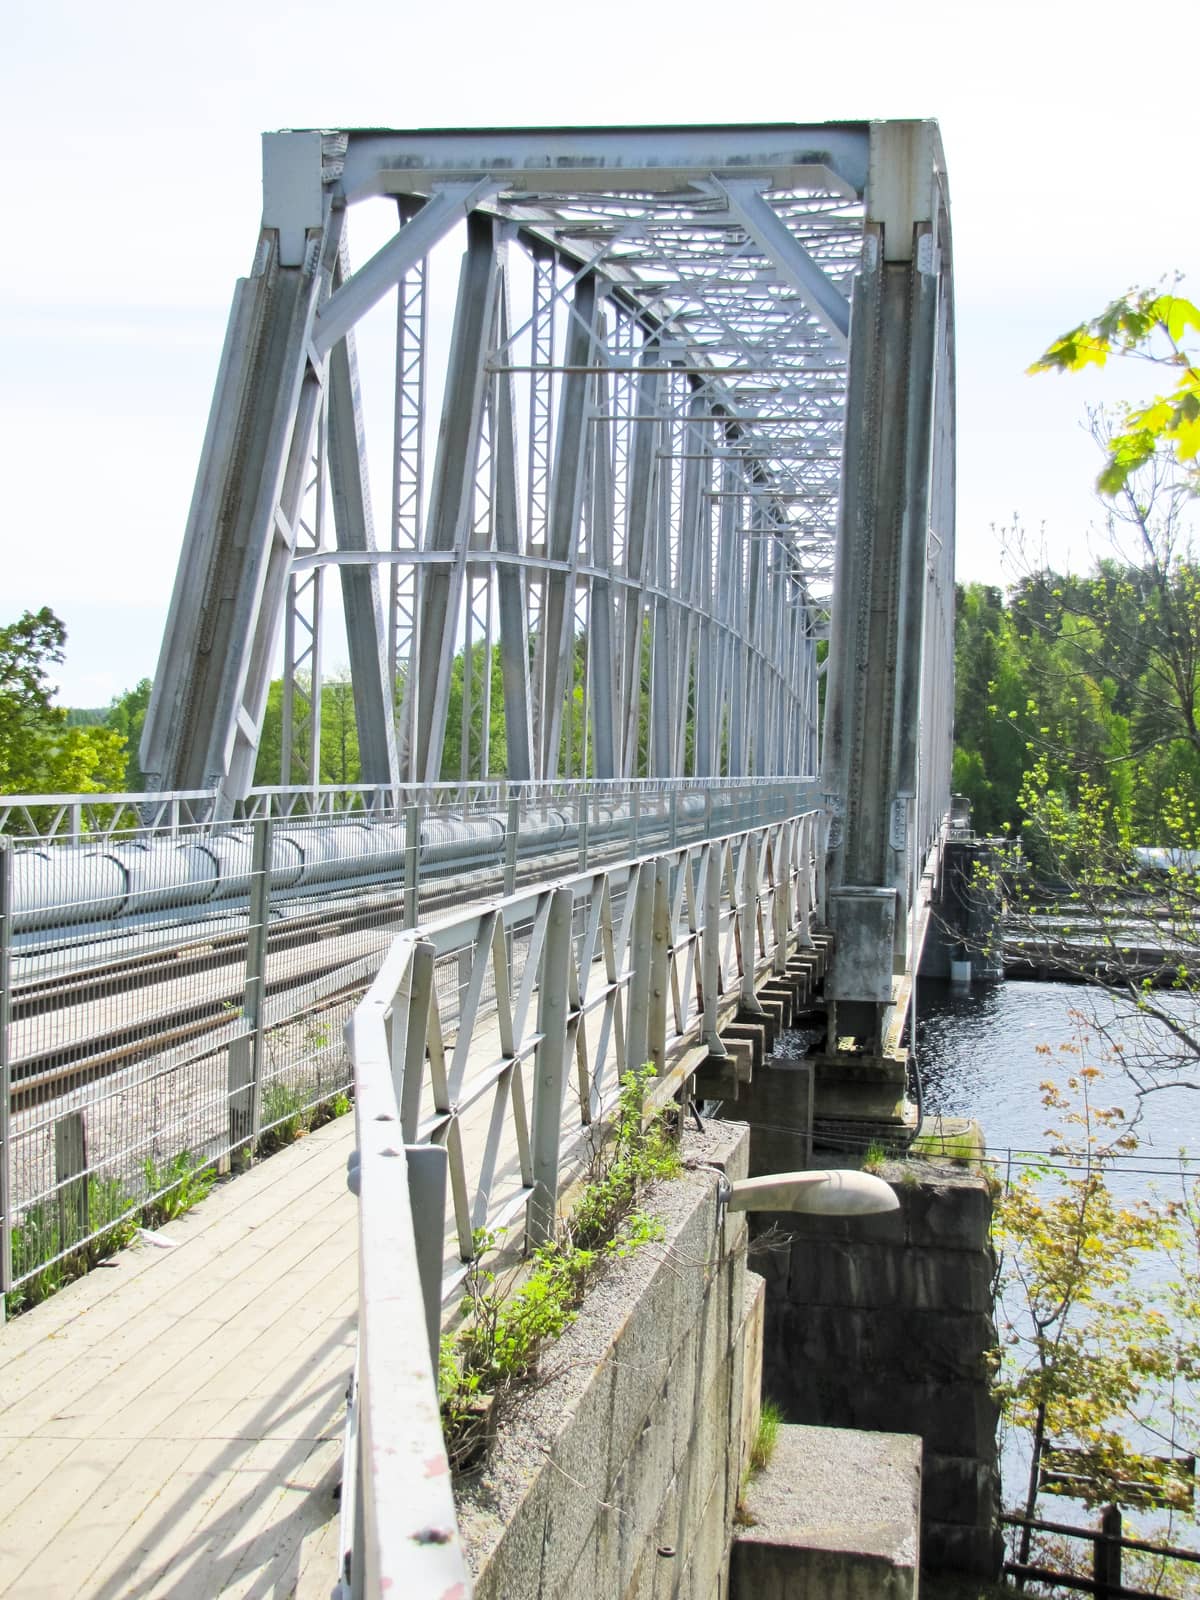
(617, 1476)
(885, 1323)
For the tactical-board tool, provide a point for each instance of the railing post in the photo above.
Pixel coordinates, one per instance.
(70, 1178)
(637, 1022)
(550, 1067)
(511, 826)
(412, 864)
(408, 1036)
(428, 1165)
(781, 904)
(583, 831)
(1106, 1554)
(6, 859)
(748, 918)
(246, 1052)
(635, 806)
(660, 958)
(256, 947)
(710, 949)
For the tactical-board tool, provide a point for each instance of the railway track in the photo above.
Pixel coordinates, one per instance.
(157, 1021)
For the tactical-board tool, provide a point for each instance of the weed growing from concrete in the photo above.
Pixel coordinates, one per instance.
(496, 1351)
(766, 1437)
(875, 1156)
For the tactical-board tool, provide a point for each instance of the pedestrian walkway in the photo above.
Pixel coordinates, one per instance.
(171, 1424)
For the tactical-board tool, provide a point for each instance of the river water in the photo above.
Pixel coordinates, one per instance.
(984, 1052)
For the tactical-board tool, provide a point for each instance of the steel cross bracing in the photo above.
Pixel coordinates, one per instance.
(692, 413)
(633, 492)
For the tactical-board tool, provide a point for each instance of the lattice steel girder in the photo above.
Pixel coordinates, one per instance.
(214, 669)
(451, 496)
(668, 517)
(882, 723)
(365, 629)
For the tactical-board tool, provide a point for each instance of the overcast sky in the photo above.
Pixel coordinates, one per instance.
(133, 177)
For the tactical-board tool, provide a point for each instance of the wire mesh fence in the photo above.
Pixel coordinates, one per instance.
(173, 991)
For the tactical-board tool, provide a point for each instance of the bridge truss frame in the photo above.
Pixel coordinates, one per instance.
(695, 414)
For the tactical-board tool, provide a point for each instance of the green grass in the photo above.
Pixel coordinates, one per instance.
(963, 1147)
(770, 1420)
(875, 1156)
(115, 1211)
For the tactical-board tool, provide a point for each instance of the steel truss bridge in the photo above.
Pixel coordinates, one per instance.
(696, 416)
(651, 656)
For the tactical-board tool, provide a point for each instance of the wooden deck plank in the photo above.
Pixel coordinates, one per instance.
(178, 1427)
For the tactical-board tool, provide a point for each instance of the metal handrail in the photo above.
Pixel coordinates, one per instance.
(471, 1040)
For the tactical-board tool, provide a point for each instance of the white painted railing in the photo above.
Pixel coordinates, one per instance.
(486, 1055)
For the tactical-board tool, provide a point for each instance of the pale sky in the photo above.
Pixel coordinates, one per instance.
(133, 173)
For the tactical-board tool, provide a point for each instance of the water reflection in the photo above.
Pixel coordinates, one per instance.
(980, 1058)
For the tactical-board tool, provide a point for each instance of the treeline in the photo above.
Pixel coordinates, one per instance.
(1081, 685)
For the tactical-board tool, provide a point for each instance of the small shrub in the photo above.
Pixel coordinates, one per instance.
(498, 1349)
(284, 1117)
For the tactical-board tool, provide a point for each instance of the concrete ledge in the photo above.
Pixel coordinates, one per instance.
(835, 1516)
(616, 1472)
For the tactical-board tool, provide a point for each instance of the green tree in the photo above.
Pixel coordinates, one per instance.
(1145, 325)
(1098, 1357)
(40, 753)
(125, 716)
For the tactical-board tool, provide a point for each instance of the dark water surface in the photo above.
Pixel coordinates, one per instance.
(980, 1057)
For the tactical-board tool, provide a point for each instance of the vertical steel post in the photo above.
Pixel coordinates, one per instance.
(5, 1071)
(710, 948)
(428, 1167)
(409, 1036)
(583, 829)
(254, 1011)
(412, 864)
(70, 1178)
(637, 1023)
(551, 1064)
(511, 827)
(660, 956)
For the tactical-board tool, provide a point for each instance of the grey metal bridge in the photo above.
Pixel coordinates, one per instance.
(676, 570)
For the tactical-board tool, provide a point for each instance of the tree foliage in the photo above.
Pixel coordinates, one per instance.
(1149, 325)
(40, 753)
(125, 716)
(1099, 1358)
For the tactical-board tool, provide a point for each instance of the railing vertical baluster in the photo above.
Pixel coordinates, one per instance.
(660, 956)
(511, 826)
(710, 949)
(550, 1067)
(637, 1022)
